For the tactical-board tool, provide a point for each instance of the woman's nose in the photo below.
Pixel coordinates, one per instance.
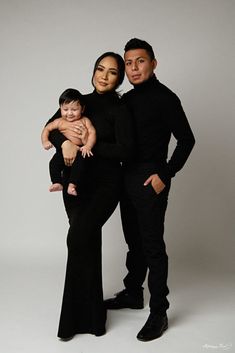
(104, 75)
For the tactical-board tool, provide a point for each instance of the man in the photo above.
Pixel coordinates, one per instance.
(157, 115)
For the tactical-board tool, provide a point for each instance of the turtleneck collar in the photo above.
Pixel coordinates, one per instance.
(152, 81)
(106, 96)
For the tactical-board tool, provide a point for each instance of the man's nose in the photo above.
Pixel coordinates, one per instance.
(134, 66)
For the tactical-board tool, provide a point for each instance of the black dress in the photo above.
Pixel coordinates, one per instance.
(83, 309)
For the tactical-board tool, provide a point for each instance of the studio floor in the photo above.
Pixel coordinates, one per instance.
(201, 318)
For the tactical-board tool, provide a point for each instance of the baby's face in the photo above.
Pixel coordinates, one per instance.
(71, 111)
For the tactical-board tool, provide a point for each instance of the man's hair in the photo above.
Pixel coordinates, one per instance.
(136, 43)
(71, 95)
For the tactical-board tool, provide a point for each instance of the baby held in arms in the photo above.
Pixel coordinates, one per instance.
(71, 110)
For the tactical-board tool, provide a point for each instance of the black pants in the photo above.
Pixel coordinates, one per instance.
(56, 167)
(83, 309)
(143, 213)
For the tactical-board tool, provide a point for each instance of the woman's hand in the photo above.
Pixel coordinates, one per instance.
(75, 129)
(69, 151)
(82, 131)
(156, 183)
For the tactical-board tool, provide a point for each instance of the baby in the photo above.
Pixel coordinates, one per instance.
(71, 107)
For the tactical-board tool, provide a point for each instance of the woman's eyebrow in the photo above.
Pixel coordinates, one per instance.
(110, 68)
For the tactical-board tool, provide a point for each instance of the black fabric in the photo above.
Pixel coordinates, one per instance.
(143, 213)
(82, 307)
(157, 115)
(57, 167)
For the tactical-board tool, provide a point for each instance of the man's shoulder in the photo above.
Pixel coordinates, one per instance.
(167, 92)
(159, 90)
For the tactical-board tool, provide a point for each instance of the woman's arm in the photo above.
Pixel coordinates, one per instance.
(69, 150)
(123, 148)
(56, 137)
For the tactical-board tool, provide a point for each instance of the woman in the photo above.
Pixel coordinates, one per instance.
(83, 309)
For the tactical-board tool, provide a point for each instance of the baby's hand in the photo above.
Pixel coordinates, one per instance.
(86, 151)
(47, 145)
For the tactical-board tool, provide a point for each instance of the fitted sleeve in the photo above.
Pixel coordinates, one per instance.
(55, 136)
(123, 147)
(180, 129)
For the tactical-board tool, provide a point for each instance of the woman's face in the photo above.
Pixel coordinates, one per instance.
(105, 78)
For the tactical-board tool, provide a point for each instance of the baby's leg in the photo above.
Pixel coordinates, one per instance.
(72, 189)
(55, 187)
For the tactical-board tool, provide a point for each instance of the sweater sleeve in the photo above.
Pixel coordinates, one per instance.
(180, 128)
(55, 136)
(123, 147)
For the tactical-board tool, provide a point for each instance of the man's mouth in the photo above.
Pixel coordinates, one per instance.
(135, 77)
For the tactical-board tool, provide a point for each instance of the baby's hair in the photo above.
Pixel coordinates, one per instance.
(71, 95)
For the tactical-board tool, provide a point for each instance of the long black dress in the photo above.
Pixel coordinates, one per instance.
(98, 195)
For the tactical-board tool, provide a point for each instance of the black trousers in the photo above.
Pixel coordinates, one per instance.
(83, 308)
(143, 214)
(56, 167)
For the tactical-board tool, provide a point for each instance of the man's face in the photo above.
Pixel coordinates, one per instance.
(139, 66)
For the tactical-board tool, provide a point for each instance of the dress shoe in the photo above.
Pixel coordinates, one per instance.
(124, 299)
(153, 328)
(100, 332)
(66, 339)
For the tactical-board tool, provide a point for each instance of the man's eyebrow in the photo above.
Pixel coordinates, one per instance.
(139, 57)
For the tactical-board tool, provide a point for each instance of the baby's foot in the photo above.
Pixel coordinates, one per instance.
(72, 190)
(55, 187)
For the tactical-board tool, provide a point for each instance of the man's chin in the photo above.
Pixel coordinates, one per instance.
(136, 82)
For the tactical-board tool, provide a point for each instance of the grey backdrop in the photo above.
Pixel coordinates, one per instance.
(48, 46)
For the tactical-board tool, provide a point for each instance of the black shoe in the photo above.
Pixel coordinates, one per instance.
(124, 299)
(66, 339)
(153, 328)
(100, 332)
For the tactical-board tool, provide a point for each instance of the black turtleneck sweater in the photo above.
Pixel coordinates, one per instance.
(157, 114)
